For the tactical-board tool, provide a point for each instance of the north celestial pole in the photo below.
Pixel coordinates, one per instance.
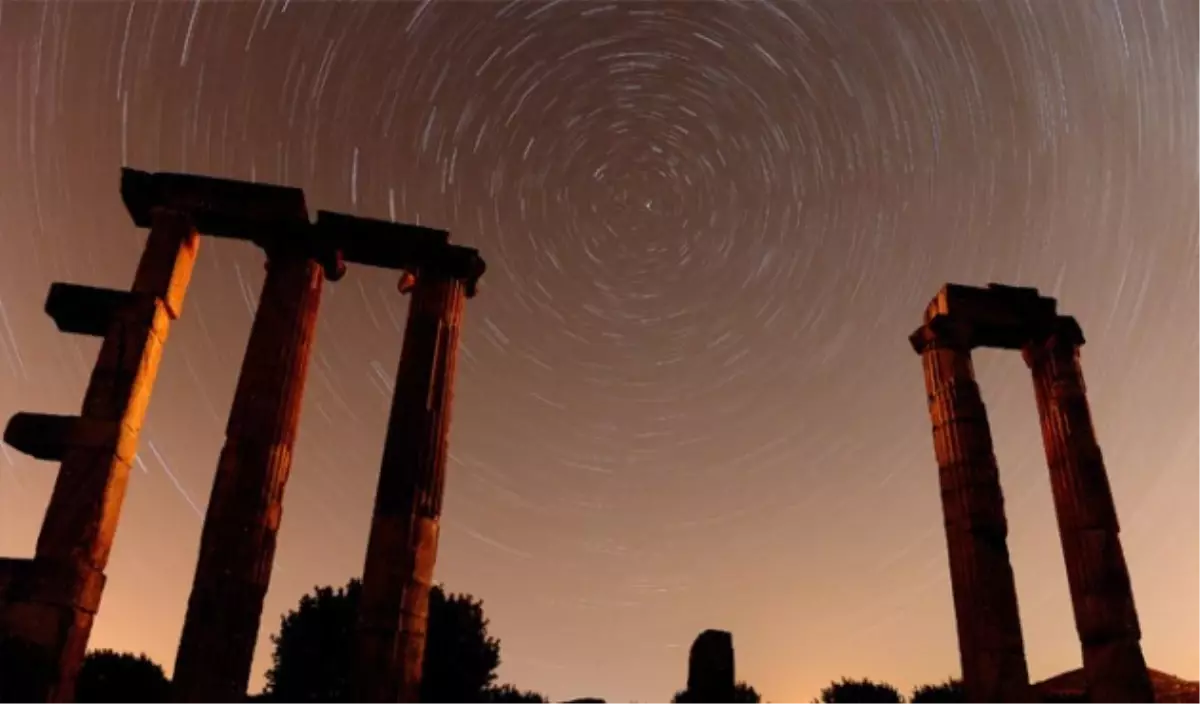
(686, 399)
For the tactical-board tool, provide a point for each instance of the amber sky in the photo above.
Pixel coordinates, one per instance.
(686, 399)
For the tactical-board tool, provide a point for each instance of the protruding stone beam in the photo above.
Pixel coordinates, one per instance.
(237, 545)
(711, 673)
(1101, 593)
(47, 604)
(991, 646)
(402, 547)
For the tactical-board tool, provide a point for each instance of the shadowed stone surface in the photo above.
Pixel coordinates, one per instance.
(402, 547)
(1101, 593)
(237, 547)
(991, 647)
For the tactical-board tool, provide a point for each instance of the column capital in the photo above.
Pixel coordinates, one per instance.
(449, 262)
(305, 242)
(1062, 334)
(941, 332)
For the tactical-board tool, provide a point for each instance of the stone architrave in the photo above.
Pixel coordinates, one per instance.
(711, 675)
(47, 604)
(237, 547)
(1101, 592)
(991, 646)
(402, 547)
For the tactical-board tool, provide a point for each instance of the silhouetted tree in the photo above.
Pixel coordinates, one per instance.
(508, 694)
(862, 691)
(109, 676)
(949, 692)
(314, 650)
(742, 694)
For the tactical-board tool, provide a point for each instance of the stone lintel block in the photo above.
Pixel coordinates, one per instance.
(12, 571)
(381, 243)
(400, 246)
(49, 437)
(217, 206)
(1004, 317)
(40, 435)
(86, 310)
(51, 582)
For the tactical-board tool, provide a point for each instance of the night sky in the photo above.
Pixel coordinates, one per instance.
(685, 398)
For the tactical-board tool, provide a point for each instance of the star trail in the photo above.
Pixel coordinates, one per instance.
(685, 395)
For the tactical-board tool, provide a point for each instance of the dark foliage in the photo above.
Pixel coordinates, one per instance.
(742, 694)
(460, 657)
(314, 651)
(508, 694)
(948, 692)
(862, 691)
(108, 676)
(315, 646)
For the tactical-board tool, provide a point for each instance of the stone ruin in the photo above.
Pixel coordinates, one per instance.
(991, 647)
(711, 676)
(48, 603)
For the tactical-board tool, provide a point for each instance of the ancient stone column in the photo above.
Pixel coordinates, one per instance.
(48, 604)
(711, 675)
(1101, 594)
(237, 547)
(985, 598)
(402, 547)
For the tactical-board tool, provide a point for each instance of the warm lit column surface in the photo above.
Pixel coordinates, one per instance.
(1101, 594)
(52, 609)
(985, 597)
(402, 547)
(237, 546)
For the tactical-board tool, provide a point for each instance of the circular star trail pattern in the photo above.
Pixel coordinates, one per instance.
(685, 396)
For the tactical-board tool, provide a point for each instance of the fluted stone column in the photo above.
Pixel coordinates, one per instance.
(237, 547)
(1101, 595)
(47, 605)
(985, 598)
(402, 547)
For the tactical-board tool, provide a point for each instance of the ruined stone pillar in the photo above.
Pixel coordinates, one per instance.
(1101, 594)
(402, 547)
(47, 604)
(711, 674)
(985, 598)
(237, 547)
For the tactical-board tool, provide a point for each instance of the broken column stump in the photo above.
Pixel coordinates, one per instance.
(711, 675)
(47, 604)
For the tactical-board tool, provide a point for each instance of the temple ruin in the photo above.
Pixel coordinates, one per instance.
(991, 647)
(48, 603)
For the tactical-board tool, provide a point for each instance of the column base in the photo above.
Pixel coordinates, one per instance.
(46, 614)
(1116, 672)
